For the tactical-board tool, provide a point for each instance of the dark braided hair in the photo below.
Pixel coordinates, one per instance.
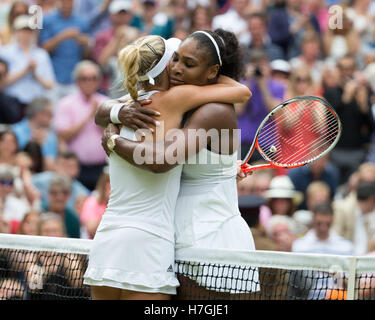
(230, 51)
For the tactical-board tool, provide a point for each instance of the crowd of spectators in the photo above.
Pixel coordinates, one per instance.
(53, 78)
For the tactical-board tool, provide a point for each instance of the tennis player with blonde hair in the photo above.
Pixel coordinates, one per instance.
(206, 214)
(133, 250)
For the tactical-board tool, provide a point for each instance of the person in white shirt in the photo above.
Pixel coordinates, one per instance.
(323, 240)
(234, 20)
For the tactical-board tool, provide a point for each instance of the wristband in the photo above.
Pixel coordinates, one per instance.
(115, 112)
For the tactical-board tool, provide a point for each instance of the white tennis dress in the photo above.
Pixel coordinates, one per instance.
(207, 216)
(133, 247)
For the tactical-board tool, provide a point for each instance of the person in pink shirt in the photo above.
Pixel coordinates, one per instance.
(95, 205)
(74, 122)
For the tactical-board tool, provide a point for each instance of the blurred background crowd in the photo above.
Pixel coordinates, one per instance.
(53, 174)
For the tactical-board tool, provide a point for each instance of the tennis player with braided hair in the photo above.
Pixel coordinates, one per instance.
(133, 249)
(207, 214)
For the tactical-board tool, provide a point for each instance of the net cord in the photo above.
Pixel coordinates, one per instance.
(352, 265)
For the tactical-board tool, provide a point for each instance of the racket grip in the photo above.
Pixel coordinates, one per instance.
(246, 168)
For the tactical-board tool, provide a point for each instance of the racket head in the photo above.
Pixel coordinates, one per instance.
(297, 132)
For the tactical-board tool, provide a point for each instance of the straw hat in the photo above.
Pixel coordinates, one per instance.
(281, 187)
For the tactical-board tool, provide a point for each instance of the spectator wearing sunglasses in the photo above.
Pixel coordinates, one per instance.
(74, 123)
(59, 193)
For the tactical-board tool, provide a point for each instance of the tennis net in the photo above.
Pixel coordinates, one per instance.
(45, 268)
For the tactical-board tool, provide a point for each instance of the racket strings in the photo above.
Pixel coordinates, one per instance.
(304, 151)
(277, 121)
(305, 140)
(271, 129)
(315, 145)
(287, 115)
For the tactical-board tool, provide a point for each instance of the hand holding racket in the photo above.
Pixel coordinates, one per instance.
(295, 133)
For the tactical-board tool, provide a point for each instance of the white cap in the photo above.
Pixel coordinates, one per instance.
(119, 5)
(22, 22)
(280, 65)
(281, 187)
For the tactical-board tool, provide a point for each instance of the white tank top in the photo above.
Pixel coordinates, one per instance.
(140, 198)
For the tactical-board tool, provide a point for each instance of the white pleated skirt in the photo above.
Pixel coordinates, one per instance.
(131, 259)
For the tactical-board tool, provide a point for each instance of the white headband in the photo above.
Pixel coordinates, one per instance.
(171, 45)
(214, 42)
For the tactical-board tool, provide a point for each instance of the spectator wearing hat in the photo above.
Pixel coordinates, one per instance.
(65, 37)
(280, 71)
(249, 206)
(283, 198)
(30, 72)
(16, 8)
(109, 42)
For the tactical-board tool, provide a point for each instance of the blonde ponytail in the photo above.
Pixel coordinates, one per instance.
(137, 59)
(129, 58)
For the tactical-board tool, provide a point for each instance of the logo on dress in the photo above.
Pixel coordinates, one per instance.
(170, 269)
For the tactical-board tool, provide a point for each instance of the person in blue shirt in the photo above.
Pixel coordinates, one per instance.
(65, 36)
(153, 22)
(36, 126)
(30, 72)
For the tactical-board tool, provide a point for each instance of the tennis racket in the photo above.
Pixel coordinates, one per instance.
(295, 133)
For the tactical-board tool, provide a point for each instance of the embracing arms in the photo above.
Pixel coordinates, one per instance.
(186, 96)
(203, 129)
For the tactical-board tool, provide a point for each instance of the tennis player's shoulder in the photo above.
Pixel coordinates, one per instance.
(216, 108)
(215, 115)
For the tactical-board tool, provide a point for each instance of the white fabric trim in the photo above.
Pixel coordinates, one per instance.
(171, 45)
(115, 112)
(214, 43)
